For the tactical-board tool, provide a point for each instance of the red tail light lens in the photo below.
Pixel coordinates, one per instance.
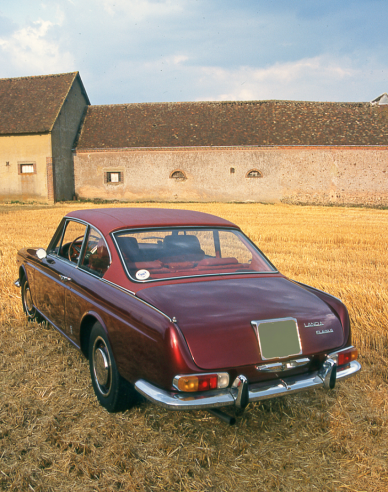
(347, 356)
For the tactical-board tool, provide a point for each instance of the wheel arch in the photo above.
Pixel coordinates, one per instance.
(22, 273)
(87, 323)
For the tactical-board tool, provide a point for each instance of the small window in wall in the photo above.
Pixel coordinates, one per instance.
(254, 173)
(178, 175)
(114, 177)
(232, 170)
(27, 168)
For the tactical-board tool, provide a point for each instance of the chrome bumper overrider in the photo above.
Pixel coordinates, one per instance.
(325, 377)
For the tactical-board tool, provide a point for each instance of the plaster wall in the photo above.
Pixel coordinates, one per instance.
(15, 150)
(290, 174)
(63, 135)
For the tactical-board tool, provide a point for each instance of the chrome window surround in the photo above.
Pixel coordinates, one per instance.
(88, 227)
(142, 229)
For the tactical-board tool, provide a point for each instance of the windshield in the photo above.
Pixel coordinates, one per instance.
(156, 254)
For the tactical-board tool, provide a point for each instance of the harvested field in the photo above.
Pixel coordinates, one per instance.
(54, 436)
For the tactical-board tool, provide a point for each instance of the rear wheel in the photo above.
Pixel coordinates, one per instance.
(28, 305)
(113, 392)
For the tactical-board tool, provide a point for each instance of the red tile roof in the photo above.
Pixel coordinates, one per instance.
(32, 104)
(261, 123)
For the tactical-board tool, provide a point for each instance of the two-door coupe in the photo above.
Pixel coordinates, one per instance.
(182, 307)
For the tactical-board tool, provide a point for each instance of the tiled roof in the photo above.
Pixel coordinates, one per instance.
(262, 123)
(32, 104)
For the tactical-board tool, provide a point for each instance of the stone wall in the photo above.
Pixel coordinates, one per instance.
(357, 175)
(24, 149)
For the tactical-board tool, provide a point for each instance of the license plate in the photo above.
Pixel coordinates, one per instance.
(278, 338)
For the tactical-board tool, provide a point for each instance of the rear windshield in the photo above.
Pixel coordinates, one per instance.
(156, 254)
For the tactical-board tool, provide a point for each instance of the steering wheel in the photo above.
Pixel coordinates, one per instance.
(74, 251)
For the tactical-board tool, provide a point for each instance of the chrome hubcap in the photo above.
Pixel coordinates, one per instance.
(102, 366)
(28, 300)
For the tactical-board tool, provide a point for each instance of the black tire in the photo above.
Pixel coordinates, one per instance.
(28, 305)
(113, 392)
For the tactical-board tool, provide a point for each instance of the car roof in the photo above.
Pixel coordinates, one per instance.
(110, 219)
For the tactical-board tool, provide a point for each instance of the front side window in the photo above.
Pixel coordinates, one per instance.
(68, 244)
(169, 253)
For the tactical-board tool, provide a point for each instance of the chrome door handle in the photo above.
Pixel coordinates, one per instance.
(64, 278)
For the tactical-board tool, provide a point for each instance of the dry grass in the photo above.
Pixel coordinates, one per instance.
(55, 437)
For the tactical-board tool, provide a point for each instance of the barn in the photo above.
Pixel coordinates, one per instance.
(39, 119)
(249, 151)
(55, 146)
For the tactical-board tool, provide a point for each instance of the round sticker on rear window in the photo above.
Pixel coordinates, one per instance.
(142, 274)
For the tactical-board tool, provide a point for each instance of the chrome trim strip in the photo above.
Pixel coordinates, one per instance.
(132, 294)
(283, 366)
(127, 291)
(60, 331)
(184, 401)
(88, 224)
(226, 397)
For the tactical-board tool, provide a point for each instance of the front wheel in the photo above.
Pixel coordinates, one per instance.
(28, 305)
(113, 392)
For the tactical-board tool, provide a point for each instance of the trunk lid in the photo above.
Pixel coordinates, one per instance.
(215, 317)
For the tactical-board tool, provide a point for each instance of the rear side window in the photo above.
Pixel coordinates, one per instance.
(96, 259)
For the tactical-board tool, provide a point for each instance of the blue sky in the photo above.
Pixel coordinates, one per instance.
(190, 50)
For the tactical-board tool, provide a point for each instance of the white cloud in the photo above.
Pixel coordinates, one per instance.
(279, 81)
(31, 50)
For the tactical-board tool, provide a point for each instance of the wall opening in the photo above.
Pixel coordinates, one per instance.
(27, 167)
(178, 175)
(113, 177)
(254, 173)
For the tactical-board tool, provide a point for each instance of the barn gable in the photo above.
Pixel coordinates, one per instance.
(39, 119)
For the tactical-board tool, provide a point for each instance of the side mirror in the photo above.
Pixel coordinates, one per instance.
(41, 253)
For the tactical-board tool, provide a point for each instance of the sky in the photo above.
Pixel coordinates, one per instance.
(131, 51)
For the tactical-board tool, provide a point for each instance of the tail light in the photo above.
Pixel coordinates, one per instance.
(344, 356)
(201, 382)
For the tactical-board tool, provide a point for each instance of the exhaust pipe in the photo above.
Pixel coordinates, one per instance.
(222, 415)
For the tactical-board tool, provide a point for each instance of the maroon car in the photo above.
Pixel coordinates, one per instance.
(183, 308)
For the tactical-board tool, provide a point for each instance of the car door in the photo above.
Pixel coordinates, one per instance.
(83, 292)
(55, 272)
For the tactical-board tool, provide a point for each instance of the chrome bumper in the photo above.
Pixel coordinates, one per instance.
(17, 283)
(256, 392)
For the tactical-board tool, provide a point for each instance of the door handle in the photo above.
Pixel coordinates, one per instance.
(64, 278)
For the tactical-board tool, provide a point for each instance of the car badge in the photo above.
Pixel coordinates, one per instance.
(323, 332)
(310, 325)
